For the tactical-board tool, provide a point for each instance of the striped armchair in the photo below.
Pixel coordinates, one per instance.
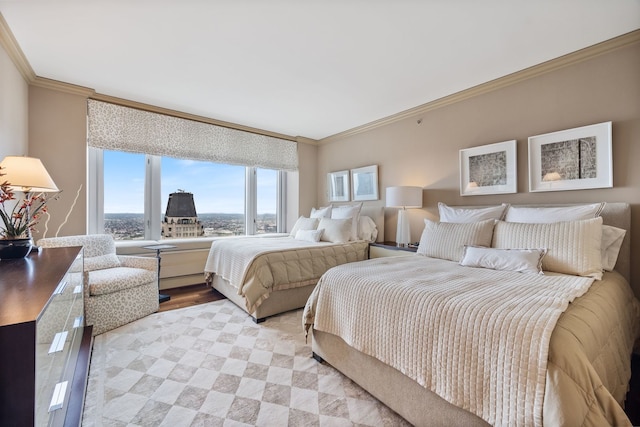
(118, 289)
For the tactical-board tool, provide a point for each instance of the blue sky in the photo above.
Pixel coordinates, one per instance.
(215, 187)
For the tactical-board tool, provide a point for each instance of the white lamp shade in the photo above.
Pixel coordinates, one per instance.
(26, 174)
(404, 197)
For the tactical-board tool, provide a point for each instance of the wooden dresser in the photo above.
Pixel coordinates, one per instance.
(45, 346)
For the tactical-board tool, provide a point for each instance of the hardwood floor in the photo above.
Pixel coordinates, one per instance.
(187, 296)
(202, 293)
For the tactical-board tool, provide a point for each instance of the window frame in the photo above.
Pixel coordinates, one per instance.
(153, 196)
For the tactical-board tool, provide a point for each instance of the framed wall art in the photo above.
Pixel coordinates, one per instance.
(572, 159)
(338, 185)
(364, 183)
(489, 169)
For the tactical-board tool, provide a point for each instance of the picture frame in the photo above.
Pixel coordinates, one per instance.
(489, 169)
(338, 186)
(364, 183)
(572, 159)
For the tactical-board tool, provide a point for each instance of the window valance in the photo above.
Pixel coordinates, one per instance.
(114, 127)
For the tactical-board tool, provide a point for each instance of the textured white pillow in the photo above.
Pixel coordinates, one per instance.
(335, 230)
(304, 223)
(452, 214)
(348, 211)
(309, 235)
(324, 212)
(553, 213)
(446, 240)
(612, 238)
(367, 229)
(520, 260)
(573, 247)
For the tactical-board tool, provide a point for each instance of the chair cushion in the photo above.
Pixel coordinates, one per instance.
(101, 262)
(102, 282)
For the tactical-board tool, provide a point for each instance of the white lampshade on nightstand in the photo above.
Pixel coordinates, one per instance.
(403, 197)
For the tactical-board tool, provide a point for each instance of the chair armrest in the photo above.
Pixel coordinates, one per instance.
(148, 263)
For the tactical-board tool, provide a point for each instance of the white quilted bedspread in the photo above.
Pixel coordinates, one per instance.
(259, 265)
(478, 338)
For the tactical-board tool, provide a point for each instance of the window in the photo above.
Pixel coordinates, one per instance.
(159, 197)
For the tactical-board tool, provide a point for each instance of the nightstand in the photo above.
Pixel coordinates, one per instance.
(383, 249)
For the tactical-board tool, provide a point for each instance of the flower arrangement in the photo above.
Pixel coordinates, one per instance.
(19, 218)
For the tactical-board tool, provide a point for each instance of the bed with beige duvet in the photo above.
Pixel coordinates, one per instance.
(493, 322)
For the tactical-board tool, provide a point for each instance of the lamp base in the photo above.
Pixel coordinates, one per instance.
(403, 234)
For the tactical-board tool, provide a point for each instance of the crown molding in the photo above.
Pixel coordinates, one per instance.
(188, 116)
(11, 46)
(304, 140)
(508, 80)
(62, 86)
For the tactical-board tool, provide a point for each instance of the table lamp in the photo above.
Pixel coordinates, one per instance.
(403, 197)
(27, 174)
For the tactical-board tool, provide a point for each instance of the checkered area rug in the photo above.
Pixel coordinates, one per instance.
(211, 365)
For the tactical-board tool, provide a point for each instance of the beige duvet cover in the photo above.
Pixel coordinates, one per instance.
(494, 343)
(259, 266)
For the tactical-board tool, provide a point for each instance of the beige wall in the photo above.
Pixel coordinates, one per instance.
(14, 105)
(57, 135)
(604, 88)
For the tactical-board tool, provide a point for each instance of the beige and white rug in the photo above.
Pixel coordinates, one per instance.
(211, 365)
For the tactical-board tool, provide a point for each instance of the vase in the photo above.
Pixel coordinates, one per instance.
(14, 248)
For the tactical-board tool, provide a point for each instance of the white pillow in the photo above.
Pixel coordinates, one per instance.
(324, 212)
(446, 240)
(553, 213)
(573, 247)
(612, 238)
(367, 229)
(335, 230)
(520, 260)
(101, 262)
(309, 235)
(304, 223)
(348, 211)
(452, 214)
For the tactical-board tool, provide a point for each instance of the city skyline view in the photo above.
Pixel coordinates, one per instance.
(216, 187)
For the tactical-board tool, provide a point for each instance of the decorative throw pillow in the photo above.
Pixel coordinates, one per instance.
(612, 238)
(520, 260)
(573, 247)
(304, 223)
(367, 229)
(324, 212)
(553, 213)
(101, 262)
(459, 215)
(335, 230)
(446, 240)
(351, 212)
(309, 235)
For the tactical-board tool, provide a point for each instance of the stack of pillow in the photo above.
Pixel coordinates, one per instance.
(336, 224)
(569, 240)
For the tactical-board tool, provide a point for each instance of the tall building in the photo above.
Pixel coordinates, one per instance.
(180, 218)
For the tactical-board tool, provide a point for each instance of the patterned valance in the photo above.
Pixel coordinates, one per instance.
(114, 127)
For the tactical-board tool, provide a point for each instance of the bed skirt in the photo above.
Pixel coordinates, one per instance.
(278, 301)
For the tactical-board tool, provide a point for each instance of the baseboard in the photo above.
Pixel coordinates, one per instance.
(180, 281)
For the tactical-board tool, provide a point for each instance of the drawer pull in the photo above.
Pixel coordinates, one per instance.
(77, 322)
(58, 342)
(58, 396)
(77, 289)
(60, 288)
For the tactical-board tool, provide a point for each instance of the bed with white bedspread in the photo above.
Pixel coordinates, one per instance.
(453, 343)
(270, 275)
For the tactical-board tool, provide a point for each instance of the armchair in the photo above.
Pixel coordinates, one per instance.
(118, 288)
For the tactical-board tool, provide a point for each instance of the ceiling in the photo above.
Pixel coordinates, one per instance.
(310, 68)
